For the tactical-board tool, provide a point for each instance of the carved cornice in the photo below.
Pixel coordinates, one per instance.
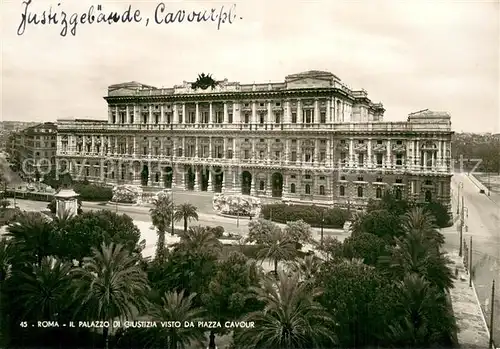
(399, 148)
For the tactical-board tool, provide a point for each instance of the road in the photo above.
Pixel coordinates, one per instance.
(141, 214)
(483, 221)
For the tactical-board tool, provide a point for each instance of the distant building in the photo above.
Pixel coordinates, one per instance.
(8, 127)
(33, 150)
(308, 139)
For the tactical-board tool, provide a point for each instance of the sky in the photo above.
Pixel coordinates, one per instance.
(409, 55)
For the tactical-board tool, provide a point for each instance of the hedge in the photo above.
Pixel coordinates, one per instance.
(93, 192)
(281, 213)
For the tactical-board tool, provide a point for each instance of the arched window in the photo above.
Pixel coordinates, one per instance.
(378, 193)
(360, 192)
(292, 188)
(308, 189)
(321, 190)
(261, 185)
(398, 194)
(342, 191)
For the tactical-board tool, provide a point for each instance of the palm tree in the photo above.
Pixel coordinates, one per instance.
(32, 236)
(5, 259)
(175, 306)
(45, 291)
(424, 315)
(306, 267)
(291, 318)
(161, 215)
(198, 239)
(112, 285)
(414, 254)
(185, 212)
(422, 222)
(277, 248)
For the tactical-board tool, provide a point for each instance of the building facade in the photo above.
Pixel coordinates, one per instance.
(309, 139)
(33, 150)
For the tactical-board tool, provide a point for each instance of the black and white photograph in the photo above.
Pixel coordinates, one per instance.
(250, 174)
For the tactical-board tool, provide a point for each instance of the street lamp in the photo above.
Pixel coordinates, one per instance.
(466, 218)
(460, 251)
(460, 185)
(322, 224)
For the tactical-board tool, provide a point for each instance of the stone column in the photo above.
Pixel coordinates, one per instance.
(269, 113)
(236, 114)
(184, 146)
(224, 179)
(210, 177)
(150, 147)
(224, 149)
(287, 112)
(351, 152)
(197, 115)
(184, 115)
(408, 160)
(162, 115)
(417, 154)
(150, 117)
(197, 178)
(253, 149)
(196, 146)
(210, 113)
(388, 162)
(370, 156)
(210, 147)
(254, 112)
(234, 174)
(316, 112)
(116, 146)
(137, 118)
(316, 152)
(135, 147)
(329, 110)
(299, 112)
(252, 185)
(226, 113)
(175, 113)
(117, 116)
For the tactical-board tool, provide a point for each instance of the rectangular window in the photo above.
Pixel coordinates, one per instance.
(294, 118)
(294, 156)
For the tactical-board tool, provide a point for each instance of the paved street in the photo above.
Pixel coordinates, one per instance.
(484, 226)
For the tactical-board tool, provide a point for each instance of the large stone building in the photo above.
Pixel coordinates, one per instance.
(309, 139)
(33, 149)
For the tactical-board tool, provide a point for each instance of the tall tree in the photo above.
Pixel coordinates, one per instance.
(200, 240)
(423, 318)
(32, 237)
(291, 318)
(277, 247)
(185, 212)
(173, 306)
(112, 285)
(161, 216)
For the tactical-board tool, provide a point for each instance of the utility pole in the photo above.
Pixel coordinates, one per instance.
(470, 263)
(458, 198)
(322, 225)
(492, 313)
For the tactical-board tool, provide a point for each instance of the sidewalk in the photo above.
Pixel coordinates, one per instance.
(473, 330)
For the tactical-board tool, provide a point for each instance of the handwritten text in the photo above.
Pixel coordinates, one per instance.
(69, 21)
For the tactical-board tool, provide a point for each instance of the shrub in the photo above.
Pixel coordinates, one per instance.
(4, 203)
(93, 192)
(440, 213)
(312, 215)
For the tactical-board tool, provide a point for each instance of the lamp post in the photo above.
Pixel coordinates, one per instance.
(460, 185)
(322, 225)
(466, 209)
(460, 251)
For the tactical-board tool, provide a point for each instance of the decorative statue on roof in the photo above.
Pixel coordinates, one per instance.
(204, 81)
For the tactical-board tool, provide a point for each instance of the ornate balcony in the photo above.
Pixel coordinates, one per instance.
(361, 148)
(343, 147)
(399, 148)
(379, 148)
